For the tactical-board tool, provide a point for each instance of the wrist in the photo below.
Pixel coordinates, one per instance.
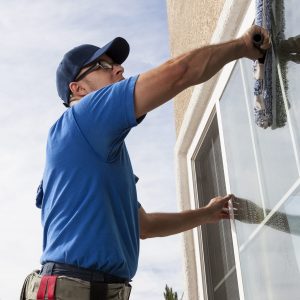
(206, 213)
(240, 47)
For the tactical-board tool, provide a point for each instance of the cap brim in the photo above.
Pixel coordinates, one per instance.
(118, 50)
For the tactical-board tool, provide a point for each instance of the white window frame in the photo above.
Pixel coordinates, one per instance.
(213, 105)
(190, 138)
(188, 145)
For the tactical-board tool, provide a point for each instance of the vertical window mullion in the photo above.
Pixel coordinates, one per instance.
(289, 120)
(228, 189)
(258, 162)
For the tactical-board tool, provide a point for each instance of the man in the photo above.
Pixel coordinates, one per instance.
(90, 214)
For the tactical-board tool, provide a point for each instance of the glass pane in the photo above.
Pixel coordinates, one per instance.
(276, 157)
(289, 55)
(217, 241)
(262, 168)
(266, 153)
(270, 263)
(242, 169)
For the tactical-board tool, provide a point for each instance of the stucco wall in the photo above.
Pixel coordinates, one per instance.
(191, 25)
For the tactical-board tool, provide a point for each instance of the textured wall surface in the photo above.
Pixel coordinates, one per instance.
(191, 25)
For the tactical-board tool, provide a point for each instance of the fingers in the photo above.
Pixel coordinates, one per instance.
(266, 43)
(227, 210)
(224, 200)
(227, 197)
(260, 37)
(257, 40)
(239, 209)
(227, 217)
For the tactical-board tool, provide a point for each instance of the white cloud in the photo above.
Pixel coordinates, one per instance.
(160, 265)
(35, 34)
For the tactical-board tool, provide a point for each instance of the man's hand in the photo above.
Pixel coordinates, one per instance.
(253, 51)
(217, 209)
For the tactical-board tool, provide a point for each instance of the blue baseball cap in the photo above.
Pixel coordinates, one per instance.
(84, 55)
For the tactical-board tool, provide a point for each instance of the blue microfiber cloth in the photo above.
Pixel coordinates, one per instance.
(269, 109)
(263, 71)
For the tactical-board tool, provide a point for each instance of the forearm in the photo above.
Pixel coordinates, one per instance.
(201, 64)
(164, 224)
(160, 84)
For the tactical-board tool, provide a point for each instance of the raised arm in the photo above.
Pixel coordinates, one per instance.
(157, 86)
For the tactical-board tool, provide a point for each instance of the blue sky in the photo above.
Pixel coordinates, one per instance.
(35, 34)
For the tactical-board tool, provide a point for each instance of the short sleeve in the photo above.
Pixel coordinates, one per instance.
(39, 195)
(106, 116)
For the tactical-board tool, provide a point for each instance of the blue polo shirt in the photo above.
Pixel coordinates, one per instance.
(89, 205)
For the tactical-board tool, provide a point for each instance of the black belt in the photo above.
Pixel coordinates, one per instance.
(51, 268)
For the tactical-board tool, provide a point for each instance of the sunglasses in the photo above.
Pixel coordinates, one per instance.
(101, 64)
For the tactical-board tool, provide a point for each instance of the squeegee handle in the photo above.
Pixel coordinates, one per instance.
(257, 40)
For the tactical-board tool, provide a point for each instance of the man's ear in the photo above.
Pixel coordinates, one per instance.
(77, 89)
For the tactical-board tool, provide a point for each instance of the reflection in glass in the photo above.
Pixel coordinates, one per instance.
(289, 50)
(270, 262)
(274, 148)
(289, 53)
(242, 168)
(248, 212)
